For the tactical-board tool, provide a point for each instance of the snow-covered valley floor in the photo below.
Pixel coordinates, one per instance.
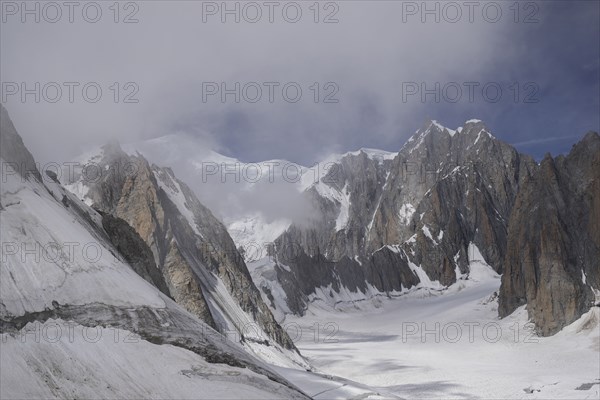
(451, 344)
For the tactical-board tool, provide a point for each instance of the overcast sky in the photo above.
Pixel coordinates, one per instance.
(371, 60)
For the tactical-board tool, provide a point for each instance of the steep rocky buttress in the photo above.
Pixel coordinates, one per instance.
(553, 254)
(200, 263)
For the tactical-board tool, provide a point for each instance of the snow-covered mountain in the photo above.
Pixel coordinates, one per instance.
(200, 263)
(246, 197)
(124, 266)
(78, 321)
(389, 224)
(85, 311)
(446, 200)
(256, 201)
(381, 223)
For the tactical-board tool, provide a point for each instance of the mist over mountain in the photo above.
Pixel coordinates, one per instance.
(294, 199)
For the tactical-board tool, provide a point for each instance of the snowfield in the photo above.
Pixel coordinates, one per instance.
(436, 342)
(450, 344)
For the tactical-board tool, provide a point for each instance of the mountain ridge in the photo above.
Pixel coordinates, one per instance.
(385, 222)
(115, 317)
(201, 265)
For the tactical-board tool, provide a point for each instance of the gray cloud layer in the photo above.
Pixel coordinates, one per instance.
(368, 54)
(170, 52)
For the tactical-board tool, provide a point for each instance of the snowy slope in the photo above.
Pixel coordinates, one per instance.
(78, 362)
(77, 321)
(40, 277)
(451, 344)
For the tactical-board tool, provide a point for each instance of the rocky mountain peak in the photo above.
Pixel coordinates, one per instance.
(590, 137)
(444, 194)
(475, 126)
(433, 136)
(588, 145)
(432, 125)
(201, 266)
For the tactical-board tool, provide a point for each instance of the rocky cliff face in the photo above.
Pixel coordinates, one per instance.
(346, 197)
(434, 155)
(200, 263)
(447, 199)
(135, 251)
(381, 221)
(553, 252)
